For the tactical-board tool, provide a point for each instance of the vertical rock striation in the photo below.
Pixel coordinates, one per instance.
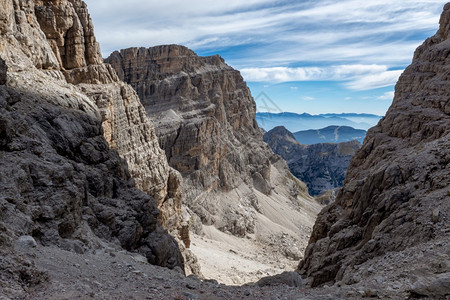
(397, 191)
(69, 31)
(204, 115)
(77, 148)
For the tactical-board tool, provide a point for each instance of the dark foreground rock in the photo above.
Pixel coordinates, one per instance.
(287, 278)
(393, 211)
(3, 70)
(75, 146)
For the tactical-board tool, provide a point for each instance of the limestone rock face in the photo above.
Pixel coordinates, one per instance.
(395, 182)
(61, 183)
(127, 129)
(204, 117)
(69, 31)
(321, 166)
(76, 158)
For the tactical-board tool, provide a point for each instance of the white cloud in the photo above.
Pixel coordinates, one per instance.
(356, 77)
(282, 74)
(386, 96)
(360, 43)
(284, 31)
(374, 81)
(307, 98)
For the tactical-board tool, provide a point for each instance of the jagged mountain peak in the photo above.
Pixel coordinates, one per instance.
(169, 59)
(321, 166)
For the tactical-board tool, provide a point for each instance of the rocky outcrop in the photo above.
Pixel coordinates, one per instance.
(204, 117)
(69, 30)
(321, 166)
(286, 278)
(397, 191)
(62, 183)
(77, 148)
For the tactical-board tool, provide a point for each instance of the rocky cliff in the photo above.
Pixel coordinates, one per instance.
(69, 31)
(77, 148)
(392, 216)
(204, 117)
(321, 166)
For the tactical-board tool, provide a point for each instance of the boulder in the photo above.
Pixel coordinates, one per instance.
(287, 278)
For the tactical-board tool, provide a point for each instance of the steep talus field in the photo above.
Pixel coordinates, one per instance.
(321, 166)
(73, 156)
(204, 117)
(390, 223)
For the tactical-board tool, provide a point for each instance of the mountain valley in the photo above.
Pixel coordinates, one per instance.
(204, 118)
(147, 176)
(321, 166)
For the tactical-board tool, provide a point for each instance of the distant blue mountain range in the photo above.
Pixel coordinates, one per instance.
(330, 134)
(321, 166)
(299, 122)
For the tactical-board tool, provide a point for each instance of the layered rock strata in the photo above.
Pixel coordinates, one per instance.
(321, 166)
(69, 31)
(77, 148)
(396, 195)
(204, 117)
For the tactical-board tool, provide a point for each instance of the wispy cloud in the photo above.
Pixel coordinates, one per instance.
(386, 96)
(374, 80)
(349, 30)
(307, 98)
(356, 45)
(282, 74)
(355, 77)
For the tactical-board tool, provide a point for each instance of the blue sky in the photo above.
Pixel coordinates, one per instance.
(307, 56)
